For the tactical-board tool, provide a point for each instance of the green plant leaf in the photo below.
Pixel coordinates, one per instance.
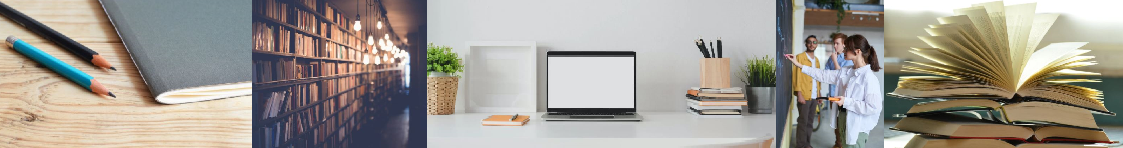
(759, 72)
(442, 59)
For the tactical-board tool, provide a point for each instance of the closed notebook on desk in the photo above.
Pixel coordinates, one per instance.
(187, 51)
(505, 120)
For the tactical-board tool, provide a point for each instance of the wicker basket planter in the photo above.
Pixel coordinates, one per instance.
(441, 95)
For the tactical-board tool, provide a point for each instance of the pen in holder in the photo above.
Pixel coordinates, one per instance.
(714, 73)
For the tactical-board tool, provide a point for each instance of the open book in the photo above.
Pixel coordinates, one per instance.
(990, 51)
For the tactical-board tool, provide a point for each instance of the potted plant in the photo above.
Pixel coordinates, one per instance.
(441, 67)
(759, 76)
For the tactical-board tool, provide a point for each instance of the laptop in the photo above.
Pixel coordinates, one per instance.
(591, 86)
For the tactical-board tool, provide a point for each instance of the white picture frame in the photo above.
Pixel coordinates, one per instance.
(501, 77)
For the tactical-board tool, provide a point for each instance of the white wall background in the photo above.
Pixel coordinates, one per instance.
(660, 31)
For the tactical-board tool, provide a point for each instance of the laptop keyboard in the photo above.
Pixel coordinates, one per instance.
(591, 114)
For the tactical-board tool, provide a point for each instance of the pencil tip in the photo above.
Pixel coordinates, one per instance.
(111, 95)
(113, 68)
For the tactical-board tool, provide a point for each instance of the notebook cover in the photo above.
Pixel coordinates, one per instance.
(521, 120)
(180, 44)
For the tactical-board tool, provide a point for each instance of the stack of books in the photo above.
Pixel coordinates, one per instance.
(992, 89)
(716, 102)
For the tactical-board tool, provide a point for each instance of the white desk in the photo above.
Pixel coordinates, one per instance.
(660, 129)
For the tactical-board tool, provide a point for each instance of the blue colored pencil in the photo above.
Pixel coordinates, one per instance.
(58, 66)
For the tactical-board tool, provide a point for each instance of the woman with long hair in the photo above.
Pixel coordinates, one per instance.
(860, 93)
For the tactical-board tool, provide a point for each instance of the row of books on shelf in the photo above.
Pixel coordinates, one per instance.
(338, 116)
(340, 35)
(273, 9)
(341, 84)
(336, 17)
(309, 3)
(341, 90)
(270, 38)
(265, 37)
(339, 51)
(275, 70)
(330, 13)
(280, 40)
(320, 122)
(290, 69)
(276, 39)
(303, 45)
(719, 102)
(304, 20)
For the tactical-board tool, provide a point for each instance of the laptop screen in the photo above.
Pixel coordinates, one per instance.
(590, 81)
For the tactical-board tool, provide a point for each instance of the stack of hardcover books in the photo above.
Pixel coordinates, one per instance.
(992, 89)
(716, 102)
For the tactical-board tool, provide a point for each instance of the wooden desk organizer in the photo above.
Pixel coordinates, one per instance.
(714, 72)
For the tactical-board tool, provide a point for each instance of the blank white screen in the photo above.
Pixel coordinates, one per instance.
(590, 82)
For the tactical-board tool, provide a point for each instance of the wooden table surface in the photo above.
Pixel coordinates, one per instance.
(39, 108)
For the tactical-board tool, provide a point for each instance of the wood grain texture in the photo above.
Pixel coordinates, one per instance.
(714, 72)
(39, 108)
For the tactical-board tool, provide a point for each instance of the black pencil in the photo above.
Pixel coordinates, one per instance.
(52, 35)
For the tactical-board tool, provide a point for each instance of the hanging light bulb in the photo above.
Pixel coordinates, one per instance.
(381, 43)
(379, 25)
(387, 36)
(358, 25)
(377, 61)
(366, 59)
(370, 40)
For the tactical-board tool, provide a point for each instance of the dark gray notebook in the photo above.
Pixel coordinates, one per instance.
(187, 50)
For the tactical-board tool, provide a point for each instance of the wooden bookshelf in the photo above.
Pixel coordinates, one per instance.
(311, 85)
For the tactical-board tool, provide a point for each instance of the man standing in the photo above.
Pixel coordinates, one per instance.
(835, 62)
(804, 88)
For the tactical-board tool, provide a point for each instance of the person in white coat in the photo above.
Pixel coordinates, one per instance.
(860, 90)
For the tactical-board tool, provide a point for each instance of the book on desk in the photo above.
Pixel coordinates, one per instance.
(505, 120)
(722, 102)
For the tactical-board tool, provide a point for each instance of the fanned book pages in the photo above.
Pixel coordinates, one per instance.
(991, 51)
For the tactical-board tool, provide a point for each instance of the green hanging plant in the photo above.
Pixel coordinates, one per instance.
(442, 59)
(838, 5)
(759, 72)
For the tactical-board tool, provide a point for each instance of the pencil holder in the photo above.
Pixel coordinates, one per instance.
(441, 95)
(714, 72)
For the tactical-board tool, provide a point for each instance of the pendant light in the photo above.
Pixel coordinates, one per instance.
(358, 24)
(370, 40)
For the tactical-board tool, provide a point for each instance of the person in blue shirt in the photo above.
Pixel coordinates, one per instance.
(835, 62)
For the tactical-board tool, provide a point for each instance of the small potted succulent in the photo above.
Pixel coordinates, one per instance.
(441, 67)
(759, 76)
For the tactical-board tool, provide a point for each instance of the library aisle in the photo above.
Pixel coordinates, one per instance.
(323, 78)
(393, 133)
